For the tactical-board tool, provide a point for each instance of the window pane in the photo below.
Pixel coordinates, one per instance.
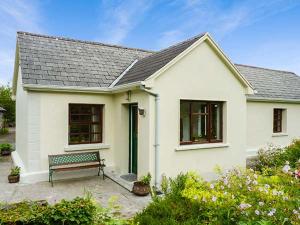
(199, 107)
(80, 118)
(216, 124)
(200, 122)
(185, 121)
(199, 128)
(95, 137)
(80, 109)
(79, 138)
(95, 128)
(277, 123)
(85, 123)
(95, 118)
(79, 128)
(95, 110)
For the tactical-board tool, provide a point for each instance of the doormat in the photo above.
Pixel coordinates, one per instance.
(129, 177)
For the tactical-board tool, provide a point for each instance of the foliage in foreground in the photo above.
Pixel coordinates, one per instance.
(237, 197)
(78, 211)
(276, 157)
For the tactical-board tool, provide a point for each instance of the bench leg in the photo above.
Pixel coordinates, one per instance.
(50, 177)
(101, 169)
(103, 173)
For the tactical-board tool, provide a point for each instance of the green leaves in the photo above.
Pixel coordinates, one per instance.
(83, 211)
(5, 147)
(239, 196)
(274, 157)
(7, 103)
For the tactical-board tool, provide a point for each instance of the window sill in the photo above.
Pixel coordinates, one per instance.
(201, 146)
(86, 147)
(279, 134)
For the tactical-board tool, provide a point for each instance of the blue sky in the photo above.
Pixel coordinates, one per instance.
(255, 32)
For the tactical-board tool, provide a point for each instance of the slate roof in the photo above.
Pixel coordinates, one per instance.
(272, 84)
(56, 61)
(47, 60)
(147, 66)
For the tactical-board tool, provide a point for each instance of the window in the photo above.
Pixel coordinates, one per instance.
(277, 120)
(200, 122)
(85, 123)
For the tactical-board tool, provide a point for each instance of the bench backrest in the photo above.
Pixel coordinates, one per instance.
(71, 158)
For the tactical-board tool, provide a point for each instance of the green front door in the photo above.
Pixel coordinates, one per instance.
(133, 138)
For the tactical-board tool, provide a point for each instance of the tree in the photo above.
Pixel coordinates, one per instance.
(7, 103)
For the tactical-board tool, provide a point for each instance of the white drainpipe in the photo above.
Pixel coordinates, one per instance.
(157, 135)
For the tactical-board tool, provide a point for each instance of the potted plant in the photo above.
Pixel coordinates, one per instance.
(142, 186)
(5, 149)
(14, 176)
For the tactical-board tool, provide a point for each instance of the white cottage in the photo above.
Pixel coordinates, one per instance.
(186, 107)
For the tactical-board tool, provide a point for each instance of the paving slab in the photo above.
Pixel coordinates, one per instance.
(102, 191)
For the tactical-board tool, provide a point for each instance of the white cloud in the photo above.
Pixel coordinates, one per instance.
(119, 18)
(15, 15)
(246, 13)
(199, 16)
(170, 37)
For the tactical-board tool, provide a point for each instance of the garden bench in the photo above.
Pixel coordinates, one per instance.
(75, 161)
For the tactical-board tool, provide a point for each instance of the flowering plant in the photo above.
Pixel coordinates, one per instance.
(245, 195)
(276, 157)
(238, 196)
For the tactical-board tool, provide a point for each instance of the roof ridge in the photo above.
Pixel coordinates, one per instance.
(183, 41)
(237, 64)
(174, 45)
(82, 41)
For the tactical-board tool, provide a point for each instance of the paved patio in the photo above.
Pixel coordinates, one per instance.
(102, 191)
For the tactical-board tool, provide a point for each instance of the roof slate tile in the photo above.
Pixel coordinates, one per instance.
(272, 84)
(55, 61)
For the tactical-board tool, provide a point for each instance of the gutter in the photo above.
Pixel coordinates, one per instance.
(273, 100)
(64, 88)
(157, 134)
(74, 89)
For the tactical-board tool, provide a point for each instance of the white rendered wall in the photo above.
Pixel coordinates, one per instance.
(22, 122)
(201, 75)
(260, 125)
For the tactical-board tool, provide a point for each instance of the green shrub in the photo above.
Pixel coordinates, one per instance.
(237, 197)
(4, 130)
(24, 213)
(77, 211)
(274, 157)
(5, 147)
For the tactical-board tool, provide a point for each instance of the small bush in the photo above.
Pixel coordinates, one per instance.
(77, 211)
(274, 157)
(237, 197)
(5, 147)
(4, 130)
